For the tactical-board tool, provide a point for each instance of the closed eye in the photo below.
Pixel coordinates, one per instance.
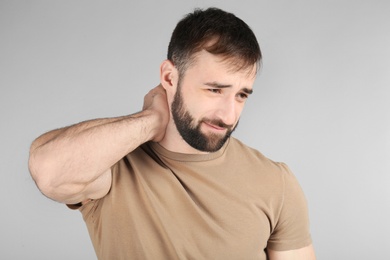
(215, 90)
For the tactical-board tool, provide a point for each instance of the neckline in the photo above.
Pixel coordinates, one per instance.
(183, 157)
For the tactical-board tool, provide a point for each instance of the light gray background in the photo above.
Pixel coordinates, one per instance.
(321, 104)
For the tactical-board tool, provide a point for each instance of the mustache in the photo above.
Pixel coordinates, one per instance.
(218, 123)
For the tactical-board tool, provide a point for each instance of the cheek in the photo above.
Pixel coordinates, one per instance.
(239, 111)
(192, 101)
(240, 108)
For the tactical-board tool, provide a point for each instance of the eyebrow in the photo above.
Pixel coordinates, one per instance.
(218, 85)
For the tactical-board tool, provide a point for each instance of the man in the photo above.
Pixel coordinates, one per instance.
(170, 182)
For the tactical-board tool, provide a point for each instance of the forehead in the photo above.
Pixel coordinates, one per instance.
(204, 61)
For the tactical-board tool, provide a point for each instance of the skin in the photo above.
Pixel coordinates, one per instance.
(305, 253)
(213, 97)
(69, 166)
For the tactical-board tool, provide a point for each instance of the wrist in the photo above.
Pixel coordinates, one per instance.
(152, 125)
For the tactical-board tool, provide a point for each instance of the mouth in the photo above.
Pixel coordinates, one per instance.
(215, 127)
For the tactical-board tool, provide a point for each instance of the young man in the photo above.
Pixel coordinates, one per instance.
(170, 182)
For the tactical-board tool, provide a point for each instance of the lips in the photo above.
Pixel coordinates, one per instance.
(217, 127)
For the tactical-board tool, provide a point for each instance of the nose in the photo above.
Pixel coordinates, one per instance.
(227, 112)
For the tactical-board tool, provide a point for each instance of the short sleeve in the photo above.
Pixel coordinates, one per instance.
(292, 229)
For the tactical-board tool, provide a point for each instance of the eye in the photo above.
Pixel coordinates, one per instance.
(242, 96)
(215, 90)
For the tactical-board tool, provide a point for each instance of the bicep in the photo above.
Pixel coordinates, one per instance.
(305, 253)
(99, 187)
(96, 189)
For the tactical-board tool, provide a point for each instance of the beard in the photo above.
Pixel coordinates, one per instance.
(190, 131)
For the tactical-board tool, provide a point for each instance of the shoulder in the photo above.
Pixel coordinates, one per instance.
(253, 162)
(241, 152)
(138, 156)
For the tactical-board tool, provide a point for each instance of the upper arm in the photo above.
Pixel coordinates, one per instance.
(305, 253)
(96, 189)
(292, 228)
(99, 187)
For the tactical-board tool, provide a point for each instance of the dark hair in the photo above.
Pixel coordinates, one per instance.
(219, 33)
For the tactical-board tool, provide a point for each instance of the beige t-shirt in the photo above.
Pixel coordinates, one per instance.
(231, 204)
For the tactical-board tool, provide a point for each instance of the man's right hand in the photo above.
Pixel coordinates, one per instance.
(156, 102)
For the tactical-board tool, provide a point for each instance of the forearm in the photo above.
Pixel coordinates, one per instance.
(68, 159)
(74, 129)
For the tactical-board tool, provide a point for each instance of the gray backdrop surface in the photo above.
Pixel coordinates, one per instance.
(321, 104)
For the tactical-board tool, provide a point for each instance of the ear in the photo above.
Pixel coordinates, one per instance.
(168, 76)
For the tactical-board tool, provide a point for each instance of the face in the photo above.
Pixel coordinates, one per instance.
(190, 128)
(208, 102)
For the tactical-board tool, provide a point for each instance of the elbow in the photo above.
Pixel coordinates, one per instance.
(47, 176)
(52, 178)
(39, 172)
